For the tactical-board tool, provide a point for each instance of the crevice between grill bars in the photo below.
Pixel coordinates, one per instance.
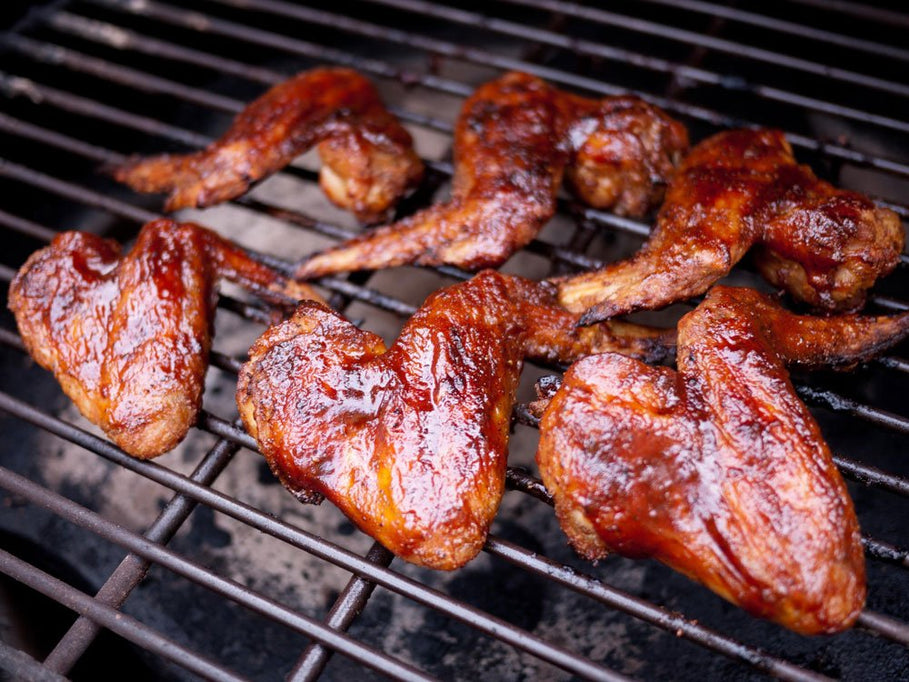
(406, 587)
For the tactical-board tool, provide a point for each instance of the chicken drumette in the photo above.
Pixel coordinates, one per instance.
(410, 441)
(368, 157)
(718, 470)
(128, 336)
(514, 140)
(740, 188)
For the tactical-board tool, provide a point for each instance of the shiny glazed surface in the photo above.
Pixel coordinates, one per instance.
(514, 140)
(740, 188)
(410, 441)
(128, 336)
(718, 470)
(369, 162)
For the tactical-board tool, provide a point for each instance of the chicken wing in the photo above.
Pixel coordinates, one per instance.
(368, 157)
(410, 441)
(740, 188)
(514, 139)
(718, 470)
(128, 336)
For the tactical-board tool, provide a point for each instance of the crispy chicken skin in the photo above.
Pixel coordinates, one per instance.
(718, 470)
(128, 336)
(410, 441)
(368, 157)
(740, 188)
(514, 140)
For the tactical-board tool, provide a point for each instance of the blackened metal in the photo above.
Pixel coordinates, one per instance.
(738, 49)
(113, 620)
(197, 21)
(131, 571)
(153, 552)
(801, 31)
(678, 70)
(344, 611)
(328, 551)
(663, 618)
(838, 403)
(884, 626)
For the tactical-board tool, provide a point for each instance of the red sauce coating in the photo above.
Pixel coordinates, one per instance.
(515, 139)
(410, 441)
(735, 190)
(718, 470)
(368, 157)
(128, 336)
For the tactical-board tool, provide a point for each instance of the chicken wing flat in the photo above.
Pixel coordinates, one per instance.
(718, 470)
(410, 441)
(368, 157)
(823, 245)
(514, 140)
(128, 336)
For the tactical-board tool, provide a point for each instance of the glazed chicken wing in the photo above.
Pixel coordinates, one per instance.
(737, 189)
(410, 441)
(128, 336)
(718, 470)
(368, 157)
(514, 140)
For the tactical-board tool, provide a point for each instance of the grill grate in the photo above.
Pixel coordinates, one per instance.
(88, 82)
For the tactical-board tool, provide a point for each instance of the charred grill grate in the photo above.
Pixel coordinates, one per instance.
(87, 82)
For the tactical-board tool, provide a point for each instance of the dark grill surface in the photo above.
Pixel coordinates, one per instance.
(199, 564)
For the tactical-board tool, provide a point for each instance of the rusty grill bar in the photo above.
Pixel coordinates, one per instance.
(90, 39)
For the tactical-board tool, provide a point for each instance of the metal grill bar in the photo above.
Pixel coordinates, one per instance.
(859, 10)
(345, 609)
(197, 21)
(328, 551)
(113, 620)
(234, 591)
(592, 49)
(718, 44)
(131, 571)
(778, 25)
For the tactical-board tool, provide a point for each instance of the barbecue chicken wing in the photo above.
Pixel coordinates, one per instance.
(128, 336)
(410, 441)
(514, 139)
(739, 188)
(368, 158)
(718, 470)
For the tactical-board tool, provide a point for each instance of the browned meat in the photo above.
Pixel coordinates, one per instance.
(128, 336)
(514, 139)
(825, 246)
(410, 441)
(369, 162)
(718, 470)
